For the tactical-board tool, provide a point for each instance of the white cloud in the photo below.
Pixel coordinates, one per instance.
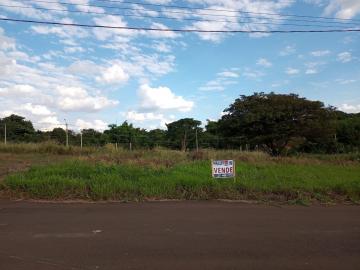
(83, 67)
(136, 116)
(40, 110)
(73, 92)
(162, 98)
(312, 67)
(26, 9)
(252, 74)
(159, 1)
(161, 34)
(350, 108)
(75, 49)
(228, 74)
(240, 22)
(78, 99)
(123, 35)
(142, 10)
(320, 53)
(66, 32)
(263, 62)
(17, 89)
(161, 47)
(154, 64)
(89, 104)
(95, 124)
(280, 84)
(290, 49)
(348, 40)
(6, 43)
(48, 123)
(217, 26)
(43, 88)
(113, 74)
(344, 57)
(311, 71)
(106, 34)
(6, 113)
(345, 81)
(218, 84)
(222, 80)
(83, 6)
(315, 2)
(292, 71)
(149, 117)
(344, 9)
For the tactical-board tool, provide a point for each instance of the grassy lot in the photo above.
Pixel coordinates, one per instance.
(164, 174)
(11, 163)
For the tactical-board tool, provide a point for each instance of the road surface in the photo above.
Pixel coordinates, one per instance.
(177, 235)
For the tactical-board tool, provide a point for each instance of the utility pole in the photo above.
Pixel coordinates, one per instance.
(81, 142)
(5, 135)
(130, 145)
(196, 139)
(66, 133)
(183, 142)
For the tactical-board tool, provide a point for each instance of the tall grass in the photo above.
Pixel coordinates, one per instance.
(191, 180)
(45, 148)
(117, 174)
(110, 154)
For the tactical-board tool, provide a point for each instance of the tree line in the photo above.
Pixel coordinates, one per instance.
(276, 123)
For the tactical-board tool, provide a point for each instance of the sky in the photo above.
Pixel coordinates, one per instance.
(93, 77)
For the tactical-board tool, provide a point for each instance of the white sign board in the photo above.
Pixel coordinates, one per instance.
(223, 168)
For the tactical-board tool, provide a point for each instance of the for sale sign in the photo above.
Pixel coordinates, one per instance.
(223, 168)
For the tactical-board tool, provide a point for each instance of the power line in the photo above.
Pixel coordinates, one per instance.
(179, 30)
(198, 8)
(187, 13)
(173, 6)
(172, 18)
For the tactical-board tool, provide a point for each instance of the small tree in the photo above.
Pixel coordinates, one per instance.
(58, 135)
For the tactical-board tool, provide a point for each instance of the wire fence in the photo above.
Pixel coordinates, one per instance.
(141, 139)
(92, 138)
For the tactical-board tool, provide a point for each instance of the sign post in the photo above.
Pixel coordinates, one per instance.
(223, 169)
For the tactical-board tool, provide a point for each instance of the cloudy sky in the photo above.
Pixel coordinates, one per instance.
(93, 77)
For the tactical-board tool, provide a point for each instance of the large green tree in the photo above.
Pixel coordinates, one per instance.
(17, 129)
(348, 131)
(279, 123)
(127, 135)
(58, 135)
(181, 134)
(91, 137)
(157, 137)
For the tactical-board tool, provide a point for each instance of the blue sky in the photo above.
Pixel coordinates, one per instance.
(94, 77)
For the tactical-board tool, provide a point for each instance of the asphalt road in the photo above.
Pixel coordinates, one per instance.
(177, 235)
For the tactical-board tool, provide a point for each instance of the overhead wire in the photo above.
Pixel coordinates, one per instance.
(177, 12)
(193, 8)
(177, 29)
(173, 18)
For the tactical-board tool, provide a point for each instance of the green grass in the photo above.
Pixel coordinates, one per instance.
(258, 178)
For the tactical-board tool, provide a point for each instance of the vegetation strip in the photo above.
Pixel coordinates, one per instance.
(259, 177)
(278, 124)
